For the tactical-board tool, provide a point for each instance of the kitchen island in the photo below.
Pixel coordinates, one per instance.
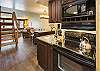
(53, 55)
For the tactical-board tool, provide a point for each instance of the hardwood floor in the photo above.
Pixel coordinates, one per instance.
(22, 59)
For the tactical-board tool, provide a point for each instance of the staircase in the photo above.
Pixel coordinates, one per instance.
(8, 29)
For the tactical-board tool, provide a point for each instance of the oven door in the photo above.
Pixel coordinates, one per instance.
(63, 65)
(66, 64)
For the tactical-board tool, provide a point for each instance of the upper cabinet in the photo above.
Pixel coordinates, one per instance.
(79, 14)
(55, 11)
(78, 7)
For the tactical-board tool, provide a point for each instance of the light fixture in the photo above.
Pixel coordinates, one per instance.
(44, 14)
(75, 12)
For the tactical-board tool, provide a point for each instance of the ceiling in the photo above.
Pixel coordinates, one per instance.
(36, 6)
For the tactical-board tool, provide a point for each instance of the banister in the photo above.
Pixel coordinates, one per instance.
(15, 19)
(17, 25)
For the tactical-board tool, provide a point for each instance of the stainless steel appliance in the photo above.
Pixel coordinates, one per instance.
(66, 64)
(72, 42)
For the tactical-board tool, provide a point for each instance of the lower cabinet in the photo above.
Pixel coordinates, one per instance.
(45, 56)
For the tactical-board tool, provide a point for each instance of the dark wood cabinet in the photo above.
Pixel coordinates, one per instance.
(55, 11)
(45, 56)
(85, 17)
(42, 55)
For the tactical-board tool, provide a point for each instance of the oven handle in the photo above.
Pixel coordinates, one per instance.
(59, 63)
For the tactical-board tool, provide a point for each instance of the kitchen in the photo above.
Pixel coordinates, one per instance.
(71, 44)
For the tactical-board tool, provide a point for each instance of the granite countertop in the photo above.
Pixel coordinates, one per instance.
(48, 39)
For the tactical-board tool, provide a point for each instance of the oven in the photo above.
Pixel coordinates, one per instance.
(72, 41)
(66, 64)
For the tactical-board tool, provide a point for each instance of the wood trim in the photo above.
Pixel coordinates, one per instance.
(43, 18)
(5, 18)
(0, 30)
(7, 39)
(2, 36)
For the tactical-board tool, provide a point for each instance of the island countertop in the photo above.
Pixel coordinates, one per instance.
(70, 52)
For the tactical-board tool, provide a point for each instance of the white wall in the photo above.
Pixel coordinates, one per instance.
(32, 17)
(45, 24)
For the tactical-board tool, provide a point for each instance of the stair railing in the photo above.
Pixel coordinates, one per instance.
(17, 26)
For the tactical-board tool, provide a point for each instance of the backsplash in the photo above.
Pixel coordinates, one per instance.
(82, 42)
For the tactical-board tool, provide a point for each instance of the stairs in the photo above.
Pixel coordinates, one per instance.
(8, 31)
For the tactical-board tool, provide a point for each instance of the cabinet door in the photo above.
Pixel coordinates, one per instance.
(45, 56)
(39, 53)
(42, 55)
(58, 11)
(50, 58)
(55, 11)
(50, 11)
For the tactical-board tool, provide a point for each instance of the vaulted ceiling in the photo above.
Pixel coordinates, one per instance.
(36, 6)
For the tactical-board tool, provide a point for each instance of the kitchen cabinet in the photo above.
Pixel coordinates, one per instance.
(42, 55)
(55, 11)
(45, 56)
(83, 19)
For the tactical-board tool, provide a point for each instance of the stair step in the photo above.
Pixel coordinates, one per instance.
(8, 43)
(7, 32)
(5, 12)
(2, 36)
(6, 18)
(6, 23)
(7, 29)
(7, 39)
